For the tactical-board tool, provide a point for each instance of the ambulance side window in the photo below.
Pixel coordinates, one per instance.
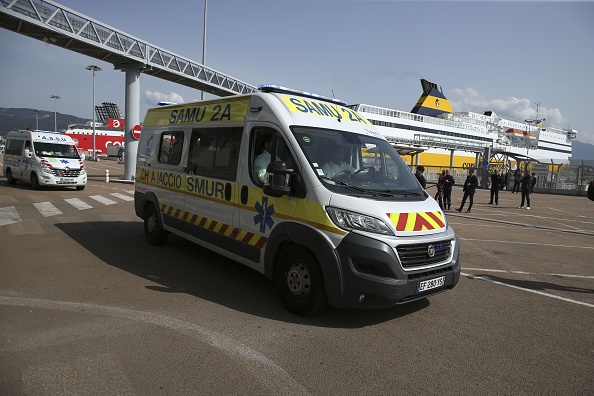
(14, 147)
(170, 149)
(214, 152)
(267, 145)
(261, 143)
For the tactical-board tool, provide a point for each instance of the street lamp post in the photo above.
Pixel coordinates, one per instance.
(55, 97)
(204, 45)
(94, 68)
(36, 119)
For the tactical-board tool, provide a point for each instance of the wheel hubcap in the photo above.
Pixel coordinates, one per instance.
(298, 280)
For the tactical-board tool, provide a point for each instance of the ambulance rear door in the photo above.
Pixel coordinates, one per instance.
(167, 178)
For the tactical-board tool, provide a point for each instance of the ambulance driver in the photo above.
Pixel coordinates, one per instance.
(336, 165)
(264, 158)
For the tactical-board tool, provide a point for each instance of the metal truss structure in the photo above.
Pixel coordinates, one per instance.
(55, 24)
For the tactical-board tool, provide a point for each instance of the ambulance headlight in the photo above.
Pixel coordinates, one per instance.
(355, 221)
(44, 167)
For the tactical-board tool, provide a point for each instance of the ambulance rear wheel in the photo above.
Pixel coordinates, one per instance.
(35, 181)
(299, 282)
(153, 232)
(9, 178)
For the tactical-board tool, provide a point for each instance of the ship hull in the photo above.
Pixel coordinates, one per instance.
(103, 139)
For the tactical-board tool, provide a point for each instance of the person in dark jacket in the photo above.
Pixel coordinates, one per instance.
(517, 176)
(495, 182)
(526, 182)
(447, 181)
(469, 189)
(533, 183)
(420, 177)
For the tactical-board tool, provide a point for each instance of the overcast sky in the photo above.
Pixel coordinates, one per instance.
(502, 56)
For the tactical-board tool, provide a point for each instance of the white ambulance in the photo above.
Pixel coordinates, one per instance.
(43, 159)
(300, 188)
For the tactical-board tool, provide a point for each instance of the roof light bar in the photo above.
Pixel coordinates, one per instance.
(281, 89)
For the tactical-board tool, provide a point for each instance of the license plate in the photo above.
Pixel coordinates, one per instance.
(430, 284)
(64, 179)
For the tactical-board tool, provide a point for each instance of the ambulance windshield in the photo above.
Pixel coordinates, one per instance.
(360, 162)
(55, 150)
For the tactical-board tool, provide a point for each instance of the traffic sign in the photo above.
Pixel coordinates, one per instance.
(136, 129)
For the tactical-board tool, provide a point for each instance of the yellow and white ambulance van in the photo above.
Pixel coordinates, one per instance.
(300, 188)
(44, 159)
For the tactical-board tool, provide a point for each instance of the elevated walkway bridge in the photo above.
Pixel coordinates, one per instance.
(55, 24)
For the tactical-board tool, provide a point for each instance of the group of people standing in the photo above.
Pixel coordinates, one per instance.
(446, 181)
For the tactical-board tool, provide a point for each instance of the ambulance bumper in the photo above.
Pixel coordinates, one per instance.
(374, 277)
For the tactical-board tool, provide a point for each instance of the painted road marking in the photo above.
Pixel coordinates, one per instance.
(47, 209)
(122, 196)
(527, 243)
(527, 290)
(103, 200)
(530, 273)
(78, 203)
(9, 215)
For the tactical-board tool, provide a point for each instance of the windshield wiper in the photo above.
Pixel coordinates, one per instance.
(344, 183)
(376, 193)
(407, 193)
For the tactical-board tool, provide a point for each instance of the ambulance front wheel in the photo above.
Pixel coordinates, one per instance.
(35, 181)
(153, 232)
(9, 178)
(299, 282)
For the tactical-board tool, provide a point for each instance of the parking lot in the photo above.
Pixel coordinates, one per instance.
(88, 307)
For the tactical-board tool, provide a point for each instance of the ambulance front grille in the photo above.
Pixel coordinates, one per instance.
(418, 255)
(66, 173)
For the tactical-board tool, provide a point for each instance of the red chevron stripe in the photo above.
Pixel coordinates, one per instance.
(247, 237)
(402, 219)
(436, 219)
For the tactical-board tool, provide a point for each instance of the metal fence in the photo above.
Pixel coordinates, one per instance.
(558, 179)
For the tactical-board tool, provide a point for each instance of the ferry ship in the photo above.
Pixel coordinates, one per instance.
(434, 135)
(109, 130)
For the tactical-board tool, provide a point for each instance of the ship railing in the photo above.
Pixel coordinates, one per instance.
(443, 143)
(462, 124)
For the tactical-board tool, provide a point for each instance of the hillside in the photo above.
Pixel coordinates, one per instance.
(582, 151)
(23, 118)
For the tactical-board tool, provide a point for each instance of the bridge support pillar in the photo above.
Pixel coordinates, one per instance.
(132, 115)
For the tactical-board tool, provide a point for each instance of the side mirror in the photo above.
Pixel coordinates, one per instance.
(27, 153)
(277, 181)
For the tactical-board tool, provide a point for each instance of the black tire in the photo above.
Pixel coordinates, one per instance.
(9, 178)
(80, 188)
(153, 231)
(299, 282)
(35, 181)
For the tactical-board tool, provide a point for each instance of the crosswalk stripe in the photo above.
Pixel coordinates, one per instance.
(122, 196)
(78, 203)
(47, 209)
(9, 215)
(103, 200)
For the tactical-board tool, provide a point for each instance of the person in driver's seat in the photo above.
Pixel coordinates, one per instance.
(336, 165)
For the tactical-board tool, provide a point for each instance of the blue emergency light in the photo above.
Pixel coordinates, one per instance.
(281, 89)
